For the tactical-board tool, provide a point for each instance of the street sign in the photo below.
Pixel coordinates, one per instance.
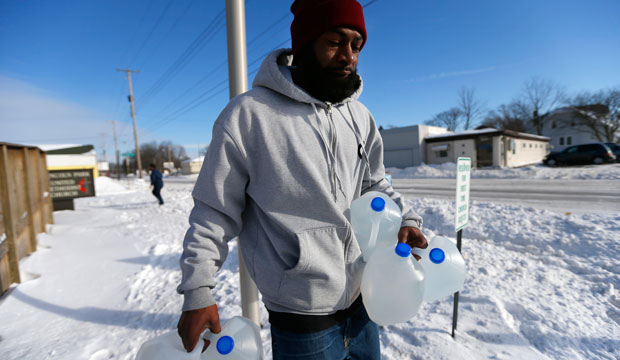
(128, 154)
(463, 169)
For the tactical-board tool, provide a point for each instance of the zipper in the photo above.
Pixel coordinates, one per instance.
(332, 128)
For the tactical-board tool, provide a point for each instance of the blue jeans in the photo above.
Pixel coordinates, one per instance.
(355, 338)
(157, 193)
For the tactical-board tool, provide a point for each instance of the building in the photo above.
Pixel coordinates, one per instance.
(567, 126)
(192, 166)
(404, 146)
(413, 145)
(71, 157)
(487, 147)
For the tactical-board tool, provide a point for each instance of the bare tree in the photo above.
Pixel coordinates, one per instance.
(449, 119)
(507, 117)
(599, 113)
(469, 106)
(539, 97)
(157, 153)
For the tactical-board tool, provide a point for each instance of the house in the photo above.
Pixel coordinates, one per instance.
(573, 125)
(487, 147)
(403, 146)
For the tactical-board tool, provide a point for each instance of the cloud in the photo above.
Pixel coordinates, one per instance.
(29, 114)
(451, 74)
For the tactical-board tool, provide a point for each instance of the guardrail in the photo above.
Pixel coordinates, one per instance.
(26, 206)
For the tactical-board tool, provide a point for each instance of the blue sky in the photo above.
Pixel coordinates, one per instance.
(58, 82)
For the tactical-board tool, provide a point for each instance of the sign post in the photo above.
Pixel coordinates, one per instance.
(463, 171)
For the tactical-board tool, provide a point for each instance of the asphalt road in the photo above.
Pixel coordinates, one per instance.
(577, 196)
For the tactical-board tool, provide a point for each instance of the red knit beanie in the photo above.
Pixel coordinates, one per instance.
(314, 17)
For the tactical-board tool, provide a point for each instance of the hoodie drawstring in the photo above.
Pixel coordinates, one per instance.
(331, 158)
(358, 135)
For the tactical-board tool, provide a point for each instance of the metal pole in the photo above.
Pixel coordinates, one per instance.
(238, 84)
(455, 311)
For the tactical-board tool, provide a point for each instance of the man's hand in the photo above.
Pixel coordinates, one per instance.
(412, 237)
(194, 322)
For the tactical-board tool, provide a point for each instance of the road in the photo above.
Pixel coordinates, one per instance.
(577, 196)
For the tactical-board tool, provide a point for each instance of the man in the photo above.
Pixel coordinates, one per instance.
(156, 183)
(286, 160)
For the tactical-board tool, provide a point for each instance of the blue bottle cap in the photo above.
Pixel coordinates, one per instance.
(377, 204)
(225, 345)
(403, 250)
(437, 256)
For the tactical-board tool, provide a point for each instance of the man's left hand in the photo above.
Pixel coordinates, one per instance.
(412, 237)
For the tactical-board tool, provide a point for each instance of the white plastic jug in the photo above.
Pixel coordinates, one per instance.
(392, 285)
(168, 347)
(239, 340)
(376, 220)
(443, 266)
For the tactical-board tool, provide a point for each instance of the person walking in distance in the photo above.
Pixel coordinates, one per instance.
(285, 162)
(156, 183)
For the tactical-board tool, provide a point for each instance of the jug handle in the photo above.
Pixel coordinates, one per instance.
(374, 231)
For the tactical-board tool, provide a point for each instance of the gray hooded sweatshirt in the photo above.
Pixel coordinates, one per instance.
(280, 173)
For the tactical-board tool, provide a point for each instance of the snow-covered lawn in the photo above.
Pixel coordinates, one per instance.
(540, 285)
(448, 170)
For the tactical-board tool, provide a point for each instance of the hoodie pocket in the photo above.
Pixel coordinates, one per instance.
(318, 282)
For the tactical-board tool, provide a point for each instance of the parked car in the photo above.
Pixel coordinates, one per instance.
(595, 153)
(615, 148)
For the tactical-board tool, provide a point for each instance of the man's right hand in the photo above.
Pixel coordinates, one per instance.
(194, 322)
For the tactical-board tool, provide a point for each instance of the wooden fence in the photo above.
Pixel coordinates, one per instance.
(26, 206)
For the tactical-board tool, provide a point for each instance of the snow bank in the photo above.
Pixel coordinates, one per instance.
(106, 186)
(448, 170)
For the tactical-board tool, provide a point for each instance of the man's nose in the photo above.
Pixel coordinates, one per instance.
(347, 55)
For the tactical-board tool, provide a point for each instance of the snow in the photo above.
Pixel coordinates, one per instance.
(537, 171)
(540, 284)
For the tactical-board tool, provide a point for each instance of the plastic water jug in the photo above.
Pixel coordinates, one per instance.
(376, 220)
(168, 347)
(239, 340)
(443, 266)
(392, 285)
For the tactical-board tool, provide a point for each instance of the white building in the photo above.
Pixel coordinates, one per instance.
(70, 157)
(564, 126)
(403, 146)
(487, 147)
(192, 166)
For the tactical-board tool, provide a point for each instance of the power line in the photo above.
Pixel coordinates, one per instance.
(159, 43)
(207, 34)
(199, 100)
(157, 22)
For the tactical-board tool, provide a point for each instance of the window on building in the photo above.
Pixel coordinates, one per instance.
(524, 145)
(442, 153)
(561, 140)
(553, 125)
(530, 145)
(569, 140)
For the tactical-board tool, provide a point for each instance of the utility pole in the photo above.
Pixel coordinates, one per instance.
(118, 159)
(169, 153)
(104, 159)
(237, 84)
(133, 116)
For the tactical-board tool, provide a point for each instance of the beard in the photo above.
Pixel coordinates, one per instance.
(323, 83)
